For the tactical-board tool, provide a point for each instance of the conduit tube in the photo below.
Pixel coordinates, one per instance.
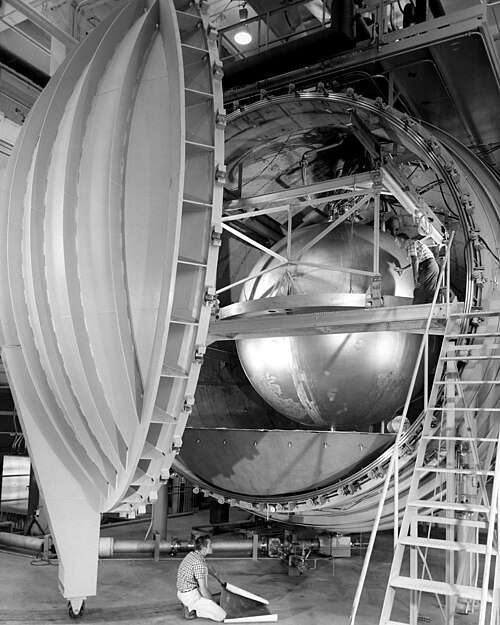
(232, 546)
(21, 542)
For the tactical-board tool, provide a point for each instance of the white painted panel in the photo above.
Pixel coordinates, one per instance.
(151, 202)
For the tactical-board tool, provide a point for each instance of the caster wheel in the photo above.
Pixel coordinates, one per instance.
(76, 615)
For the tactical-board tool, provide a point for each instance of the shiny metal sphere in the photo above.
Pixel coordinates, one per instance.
(341, 381)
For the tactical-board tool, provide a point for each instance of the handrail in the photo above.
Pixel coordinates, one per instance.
(394, 457)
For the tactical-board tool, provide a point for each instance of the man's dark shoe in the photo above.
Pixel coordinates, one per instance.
(187, 614)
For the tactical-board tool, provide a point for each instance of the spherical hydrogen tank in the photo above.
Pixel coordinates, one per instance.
(341, 381)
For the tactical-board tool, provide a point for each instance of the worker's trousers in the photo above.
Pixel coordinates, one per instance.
(428, 276)
(204, 607)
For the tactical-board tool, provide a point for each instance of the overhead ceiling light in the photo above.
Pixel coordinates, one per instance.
(243, 36)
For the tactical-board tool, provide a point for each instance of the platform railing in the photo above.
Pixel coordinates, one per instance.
(382, 18)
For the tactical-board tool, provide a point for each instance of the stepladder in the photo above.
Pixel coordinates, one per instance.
(447, 546)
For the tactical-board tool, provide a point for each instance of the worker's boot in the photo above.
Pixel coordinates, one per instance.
(187, 614)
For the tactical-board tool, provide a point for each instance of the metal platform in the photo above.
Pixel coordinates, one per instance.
(293, 321)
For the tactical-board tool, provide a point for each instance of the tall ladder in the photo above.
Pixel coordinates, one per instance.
(455, 486)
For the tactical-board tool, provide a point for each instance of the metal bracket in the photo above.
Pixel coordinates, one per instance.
(478, 275)
(220, 174)
(188, 403)
(176, 443)
(218, 70)
(199, 354)
(212, 33)
(374, 295)
(467, 204)
(210, 296)
(220, 119)
(216, 238)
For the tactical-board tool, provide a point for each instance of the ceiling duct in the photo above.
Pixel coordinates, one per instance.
(300, 52)
(22, 68)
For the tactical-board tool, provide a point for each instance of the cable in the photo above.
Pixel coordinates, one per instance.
(394, 414)
(444, 199)
(489, 249)
(220, 15)
(269, 164)
(416, 167)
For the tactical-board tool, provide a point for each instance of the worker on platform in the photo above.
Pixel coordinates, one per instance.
(424, 266)
(192, 583)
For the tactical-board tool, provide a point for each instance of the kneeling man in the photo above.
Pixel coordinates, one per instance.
(192, 583)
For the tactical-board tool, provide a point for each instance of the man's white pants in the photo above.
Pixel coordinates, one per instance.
(204, 607)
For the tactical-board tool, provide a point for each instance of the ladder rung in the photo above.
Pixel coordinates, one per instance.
(465, 382)
(443, 520)
(471, 347)
(474, 335)
(439, 588)
(492, 357)
(448, 545)
(468, 409)
(454, 471)
(475, 313)
(171, 371)
(468, 439)
(448, 505)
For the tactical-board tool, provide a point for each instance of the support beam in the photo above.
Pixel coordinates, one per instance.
(356, 182)
(397, 319)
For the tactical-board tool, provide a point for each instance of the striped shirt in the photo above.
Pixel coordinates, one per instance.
(191, 569)
(418, 249)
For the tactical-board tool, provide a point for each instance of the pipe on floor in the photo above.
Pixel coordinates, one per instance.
(21, 542)
(233, 546)
(109, 547)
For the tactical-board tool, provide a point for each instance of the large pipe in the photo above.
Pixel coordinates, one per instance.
(233, 546)
(109, 547)
(21, 542)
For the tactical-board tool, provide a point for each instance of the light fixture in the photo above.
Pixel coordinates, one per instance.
(243, 36)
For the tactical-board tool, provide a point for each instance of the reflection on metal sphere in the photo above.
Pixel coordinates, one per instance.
(344, 381)
(394, 425)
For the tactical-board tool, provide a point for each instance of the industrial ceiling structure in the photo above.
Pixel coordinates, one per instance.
(344, 123)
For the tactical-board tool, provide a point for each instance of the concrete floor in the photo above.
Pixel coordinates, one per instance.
(142, 592)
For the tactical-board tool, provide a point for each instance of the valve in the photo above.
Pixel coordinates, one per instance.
(478, 275)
